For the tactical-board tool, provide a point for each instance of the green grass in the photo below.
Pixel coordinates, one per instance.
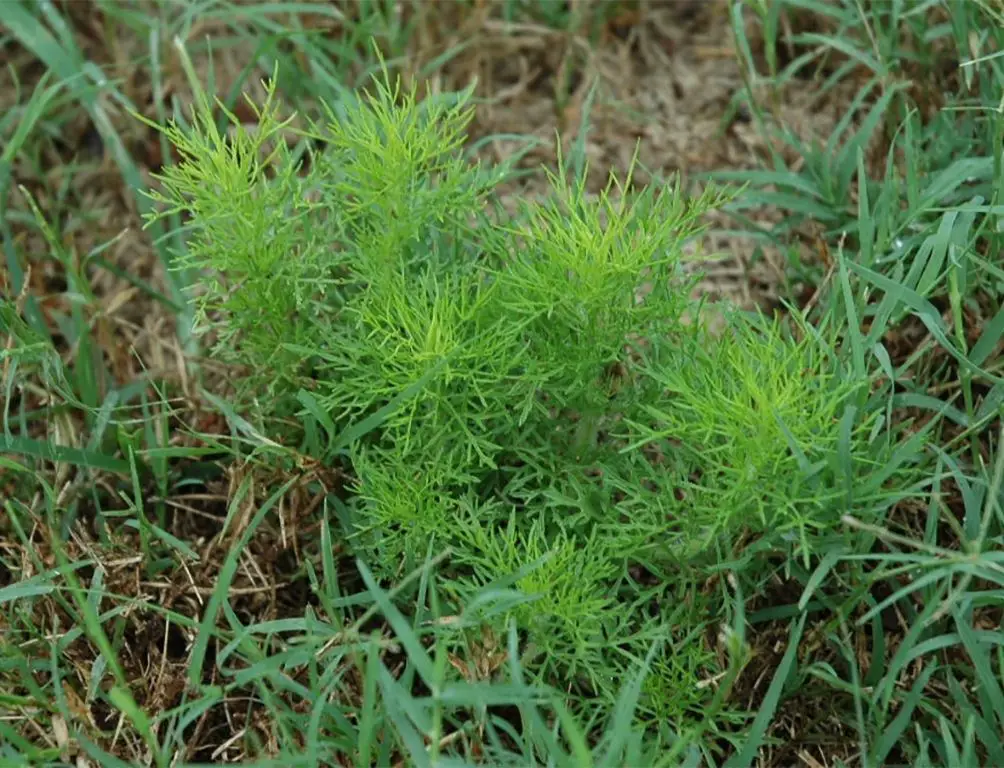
(383, 472)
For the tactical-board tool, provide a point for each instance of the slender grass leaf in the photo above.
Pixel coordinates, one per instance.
(417, 655)
(63, 454)
(747, 753)
(893, 733)
(207, 626)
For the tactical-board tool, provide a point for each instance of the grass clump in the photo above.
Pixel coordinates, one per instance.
(521, 387)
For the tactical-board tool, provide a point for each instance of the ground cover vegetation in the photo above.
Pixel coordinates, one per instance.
(342, 427)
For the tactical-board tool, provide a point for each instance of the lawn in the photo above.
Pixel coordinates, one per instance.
(506, 382)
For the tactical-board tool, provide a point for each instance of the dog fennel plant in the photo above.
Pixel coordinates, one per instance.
(556, 416)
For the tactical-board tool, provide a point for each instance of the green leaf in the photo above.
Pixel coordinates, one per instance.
(417, 655)
(63, 454)
(990, 337)
(747, 753)
(925, 311)
(893, 733)
(207, 626)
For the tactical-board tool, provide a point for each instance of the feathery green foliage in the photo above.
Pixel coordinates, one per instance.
(560, 413)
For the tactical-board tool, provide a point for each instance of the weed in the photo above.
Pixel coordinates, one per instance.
(535, 345)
